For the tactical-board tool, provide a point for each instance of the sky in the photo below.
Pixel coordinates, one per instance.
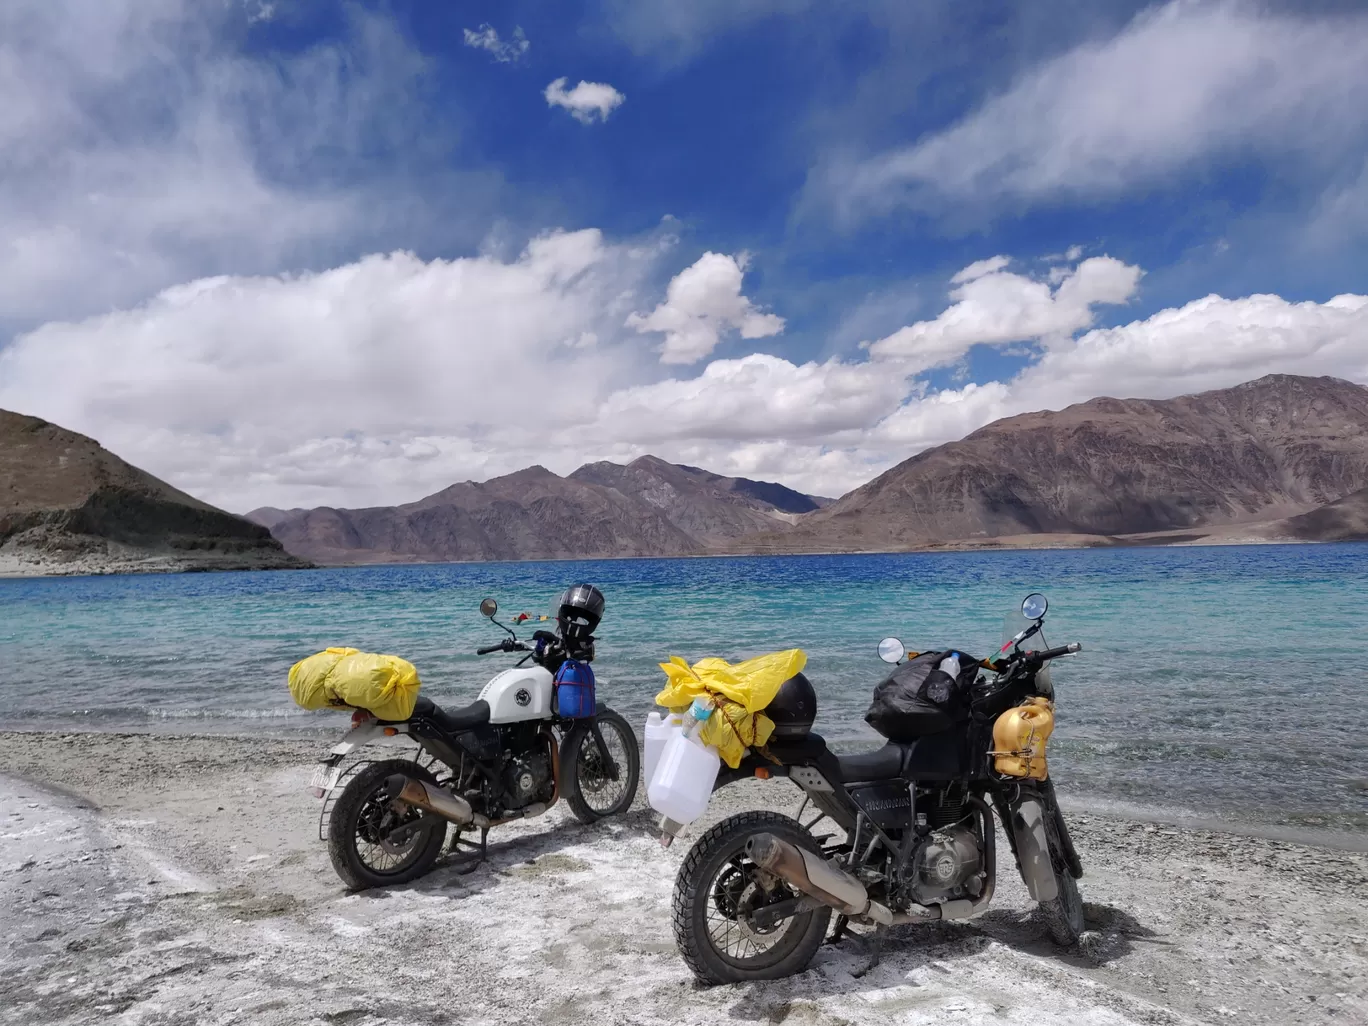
(309, 252)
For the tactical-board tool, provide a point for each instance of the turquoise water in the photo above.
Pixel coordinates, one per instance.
(1228, 682)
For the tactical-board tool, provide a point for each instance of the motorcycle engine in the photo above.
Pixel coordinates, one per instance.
(947, 866)
(527, 779)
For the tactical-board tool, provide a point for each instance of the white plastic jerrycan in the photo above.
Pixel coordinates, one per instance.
(684, 778)
(659, 730)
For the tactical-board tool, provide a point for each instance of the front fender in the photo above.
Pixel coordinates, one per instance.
(1033, 849)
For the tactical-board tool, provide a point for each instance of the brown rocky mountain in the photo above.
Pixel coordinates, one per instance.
(647, 508)
(1265, 450)
(708, 507)
(1280, 457)
(68, 505)
(533, 514)
(1343, 520)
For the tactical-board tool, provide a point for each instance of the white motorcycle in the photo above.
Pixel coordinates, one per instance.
(534, 735)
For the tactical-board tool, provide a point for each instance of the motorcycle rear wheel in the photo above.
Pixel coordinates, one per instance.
(356, 844)
(592, 793)
(716, 882)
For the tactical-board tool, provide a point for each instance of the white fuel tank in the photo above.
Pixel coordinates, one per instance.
(521, 693)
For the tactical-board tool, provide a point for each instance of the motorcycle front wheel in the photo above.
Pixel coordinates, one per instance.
(373, 845)
(593, 790)
(717, 889)
(1064, 914)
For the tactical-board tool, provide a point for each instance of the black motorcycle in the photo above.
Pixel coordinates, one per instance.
(535, 734)
(912, 837)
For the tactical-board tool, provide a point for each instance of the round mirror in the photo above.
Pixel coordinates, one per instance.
(891, 650)
(488, 607)
(1034, 605)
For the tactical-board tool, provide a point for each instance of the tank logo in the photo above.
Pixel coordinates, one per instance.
(523, 697)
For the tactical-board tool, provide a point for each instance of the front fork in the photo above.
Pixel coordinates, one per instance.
(610, 765)
(1066, 844)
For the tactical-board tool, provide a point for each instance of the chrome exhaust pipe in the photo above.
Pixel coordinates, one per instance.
(810, 874)
(432, 798)
(452, 807)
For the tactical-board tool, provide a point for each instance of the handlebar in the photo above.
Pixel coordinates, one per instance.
(1038, 658)
(507, 645)
(1054, 653)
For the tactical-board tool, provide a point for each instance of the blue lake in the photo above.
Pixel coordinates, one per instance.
(1227, 682)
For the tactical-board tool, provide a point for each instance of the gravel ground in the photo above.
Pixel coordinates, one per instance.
(167, 880)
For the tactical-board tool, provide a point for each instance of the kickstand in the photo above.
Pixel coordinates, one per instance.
(475, 853)
(875, 950)
(842, 926)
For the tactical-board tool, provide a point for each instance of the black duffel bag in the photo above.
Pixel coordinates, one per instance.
(918, 698)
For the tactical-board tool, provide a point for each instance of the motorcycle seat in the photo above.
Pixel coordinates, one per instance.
(883, 763)
(473, 715)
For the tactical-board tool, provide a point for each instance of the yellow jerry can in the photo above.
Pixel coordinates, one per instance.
(1019, 738)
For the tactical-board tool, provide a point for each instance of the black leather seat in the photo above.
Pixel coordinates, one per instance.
(883, 763)
(472, 715)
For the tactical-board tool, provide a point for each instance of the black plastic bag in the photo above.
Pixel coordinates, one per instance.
(918, 698)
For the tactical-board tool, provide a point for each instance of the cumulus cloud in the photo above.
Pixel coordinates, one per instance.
(1184, 84)
(758, 398)
(245, 389)
(391, 377)
(979, 268)
(586, 101)
(994, 306)
(702, 301)
(505, 51)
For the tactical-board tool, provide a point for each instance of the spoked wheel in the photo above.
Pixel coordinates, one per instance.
(1064, 915)
(593, 790)
(373, 844)
(716, 894)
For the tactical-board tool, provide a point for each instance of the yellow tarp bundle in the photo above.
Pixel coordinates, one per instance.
(740, 690)
(345, 678)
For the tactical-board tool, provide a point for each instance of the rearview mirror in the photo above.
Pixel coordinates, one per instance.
(891, 650)
(1033, 606)
(488, 607)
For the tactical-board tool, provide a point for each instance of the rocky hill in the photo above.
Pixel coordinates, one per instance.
(1280, 457)
(1343, 520)
(1266, 450)
(708, 507)
(647, 508)
(69, 506)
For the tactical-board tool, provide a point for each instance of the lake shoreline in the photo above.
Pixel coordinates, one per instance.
(186, 873)
(14, 568)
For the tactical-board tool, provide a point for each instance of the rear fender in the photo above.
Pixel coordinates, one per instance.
(359, 737)
(1033, 848)
(749, 764)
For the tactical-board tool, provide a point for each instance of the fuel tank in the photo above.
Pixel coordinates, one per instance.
(520, 693)
(1019, 738)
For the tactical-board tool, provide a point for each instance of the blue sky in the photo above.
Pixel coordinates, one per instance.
(758, 227)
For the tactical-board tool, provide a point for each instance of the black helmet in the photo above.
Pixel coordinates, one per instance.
(793, 709)
(579, 611)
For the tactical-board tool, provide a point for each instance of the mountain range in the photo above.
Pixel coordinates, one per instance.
(67, 505)
(1233, 463)
(1281, 458)
(647, 508)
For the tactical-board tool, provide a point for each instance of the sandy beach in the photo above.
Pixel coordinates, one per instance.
(155, 879)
